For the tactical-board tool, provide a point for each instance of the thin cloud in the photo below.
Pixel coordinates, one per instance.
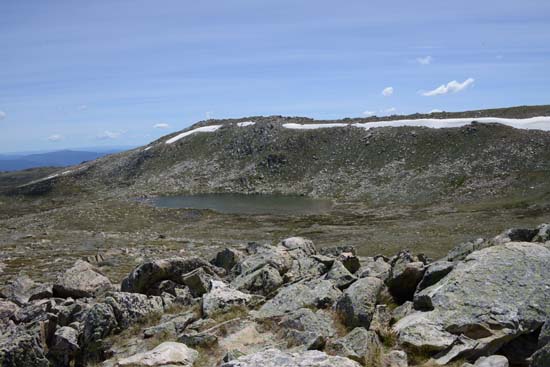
(107, 134)
(435, 110)
(2, 115)
(388, 91)
(82, 107)
(450, 87)
(369, 113)
(161, 125)
(55, 137)
(424, 60)
(389, 110)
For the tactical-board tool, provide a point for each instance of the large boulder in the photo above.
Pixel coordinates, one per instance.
(146, 275)
(222, 299)
(305, 329)
(374, 268)
(131, 307)
(340, 275)
(299, 244)
(277, 358)
(98, 323)
(64, 345)
(360, 345)
(263, 281)
(405, 275)
(543, 233)
(227, 259)
(357, 304)
(82, 280)
(165, 354)
(493, 297)
(23, 289)
(20, 347)
(316, 293)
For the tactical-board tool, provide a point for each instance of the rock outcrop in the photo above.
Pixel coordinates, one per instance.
(496, 295)
(487, 302)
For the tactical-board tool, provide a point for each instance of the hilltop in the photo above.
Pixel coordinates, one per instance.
(410, 165)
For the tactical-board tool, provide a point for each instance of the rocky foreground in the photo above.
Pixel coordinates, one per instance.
(486, 303)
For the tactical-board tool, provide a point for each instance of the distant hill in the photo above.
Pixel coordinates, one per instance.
(59, 158)
(300, 156)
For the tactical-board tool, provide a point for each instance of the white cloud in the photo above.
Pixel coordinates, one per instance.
(209, 115)
(435, 110)
(369, 113)
(424, 60)
(107, 134)
(387, 91)
(2, 115)
(55, 137)
(161, 125)
(451, 87)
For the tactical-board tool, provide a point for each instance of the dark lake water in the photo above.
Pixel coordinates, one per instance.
(246, 204)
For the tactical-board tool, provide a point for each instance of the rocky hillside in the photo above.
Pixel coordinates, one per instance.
(487, 302)
(414, 165)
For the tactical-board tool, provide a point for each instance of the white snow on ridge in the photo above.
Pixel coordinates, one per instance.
(312, 126)
(205, 129)
(533, 123)
(245, 123)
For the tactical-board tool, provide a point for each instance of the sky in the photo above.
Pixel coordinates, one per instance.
(123, 73)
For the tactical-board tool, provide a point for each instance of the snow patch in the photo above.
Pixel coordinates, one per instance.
(533, 123)
(146, 149)
(245, 123)
(203, 129)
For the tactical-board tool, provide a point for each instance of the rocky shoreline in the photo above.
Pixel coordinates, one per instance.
(487, 304)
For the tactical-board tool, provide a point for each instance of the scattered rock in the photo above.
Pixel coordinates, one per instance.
(198, 281)
(299, 243)
(64, 345)
(350, 261)
(263, 281)
(340, 276)
(21, 347)
(306, 329)
(492, 361)
(131, 307)
(315, 293)
(23, 289)
(375, 268)
(277, 358)
(335, 251)
(165, 354)
(360, 345)
(357, 304)
(227, 259)
(404, 278)
(543, 233)
(144, 276)
(82, 280)
(222, 298)
(173, 326)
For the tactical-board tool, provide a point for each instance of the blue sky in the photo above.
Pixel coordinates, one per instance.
(104, 73)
